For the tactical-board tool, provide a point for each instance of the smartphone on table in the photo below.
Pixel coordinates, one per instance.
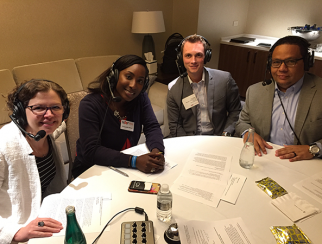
(144, 187)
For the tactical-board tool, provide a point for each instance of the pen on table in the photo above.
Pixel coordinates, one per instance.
(118, 171)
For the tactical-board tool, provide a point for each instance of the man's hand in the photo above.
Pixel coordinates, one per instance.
(294, 152)
(32, 230)
(151, 162)
(260, 144)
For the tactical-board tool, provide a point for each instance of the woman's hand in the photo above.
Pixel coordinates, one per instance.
(152, 162)
(32, 230)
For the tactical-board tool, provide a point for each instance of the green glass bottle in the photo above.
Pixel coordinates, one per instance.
(74, 234)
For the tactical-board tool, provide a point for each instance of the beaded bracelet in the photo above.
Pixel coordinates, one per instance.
(133, 162)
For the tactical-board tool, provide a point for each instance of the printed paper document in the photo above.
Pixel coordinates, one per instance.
(233, 188)
(312, 186)
(229, 231)
(204, 178)
(149, 177)
(92, 212)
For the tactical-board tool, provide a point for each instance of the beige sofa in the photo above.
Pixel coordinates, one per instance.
(74, 76)
(7, 83)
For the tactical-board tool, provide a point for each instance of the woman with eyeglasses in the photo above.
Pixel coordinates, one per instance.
(30, 167)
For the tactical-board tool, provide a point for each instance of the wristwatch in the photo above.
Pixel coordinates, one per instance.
(314, 150)
(225, 133)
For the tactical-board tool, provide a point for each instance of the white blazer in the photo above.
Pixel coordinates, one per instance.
(20, 189)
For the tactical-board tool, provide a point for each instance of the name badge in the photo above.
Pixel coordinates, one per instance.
(189, 102)
(127, 125)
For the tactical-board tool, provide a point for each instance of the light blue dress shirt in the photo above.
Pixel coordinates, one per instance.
(204, 126)
(281, 132)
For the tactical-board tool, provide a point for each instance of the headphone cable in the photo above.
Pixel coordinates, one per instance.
(136, 209)
(299, 143)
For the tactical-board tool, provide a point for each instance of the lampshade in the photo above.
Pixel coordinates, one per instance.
(147, 22)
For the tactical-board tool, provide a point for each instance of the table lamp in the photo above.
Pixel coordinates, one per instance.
(147, 22)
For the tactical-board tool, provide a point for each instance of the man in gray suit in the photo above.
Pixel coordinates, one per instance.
(289, 111)
(201, 101)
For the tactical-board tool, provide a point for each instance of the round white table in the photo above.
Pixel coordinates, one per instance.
(253, 205)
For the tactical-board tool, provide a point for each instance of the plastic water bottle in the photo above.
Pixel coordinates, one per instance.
(74, 234)
(247, 154)
(164, 204)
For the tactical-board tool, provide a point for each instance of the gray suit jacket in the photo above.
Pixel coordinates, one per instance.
(257, 111)
(223, 104)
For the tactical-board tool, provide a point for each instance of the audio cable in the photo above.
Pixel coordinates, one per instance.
(136, 209)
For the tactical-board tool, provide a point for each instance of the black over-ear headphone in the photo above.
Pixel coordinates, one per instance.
(308, 60)
(179, 60)
(19, 112)
(113, 78)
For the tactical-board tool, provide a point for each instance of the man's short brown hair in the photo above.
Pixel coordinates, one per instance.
(193, 39)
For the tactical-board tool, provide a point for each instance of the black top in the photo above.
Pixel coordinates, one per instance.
(46, 168)
(106, 149)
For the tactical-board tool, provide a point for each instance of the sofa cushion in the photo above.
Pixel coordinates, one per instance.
(142, 139)
(90, 68)
(62, 147)
(152, 80)
(158, 97)
(64, 72)
(159, 113)
(7, 83)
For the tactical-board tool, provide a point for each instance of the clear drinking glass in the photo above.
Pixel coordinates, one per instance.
(247, 154)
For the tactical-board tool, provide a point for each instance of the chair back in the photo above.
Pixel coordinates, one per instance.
(72, 122)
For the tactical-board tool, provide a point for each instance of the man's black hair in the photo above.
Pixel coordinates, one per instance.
(293, 40)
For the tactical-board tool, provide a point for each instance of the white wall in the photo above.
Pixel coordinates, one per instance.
(273, 17)
(216, 20)
(260, 17)
(185, 17)
(34, 31)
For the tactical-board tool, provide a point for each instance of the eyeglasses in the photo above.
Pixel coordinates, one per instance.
(288, 62)
(41, 110)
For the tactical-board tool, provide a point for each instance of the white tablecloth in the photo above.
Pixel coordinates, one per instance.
(253, 205)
